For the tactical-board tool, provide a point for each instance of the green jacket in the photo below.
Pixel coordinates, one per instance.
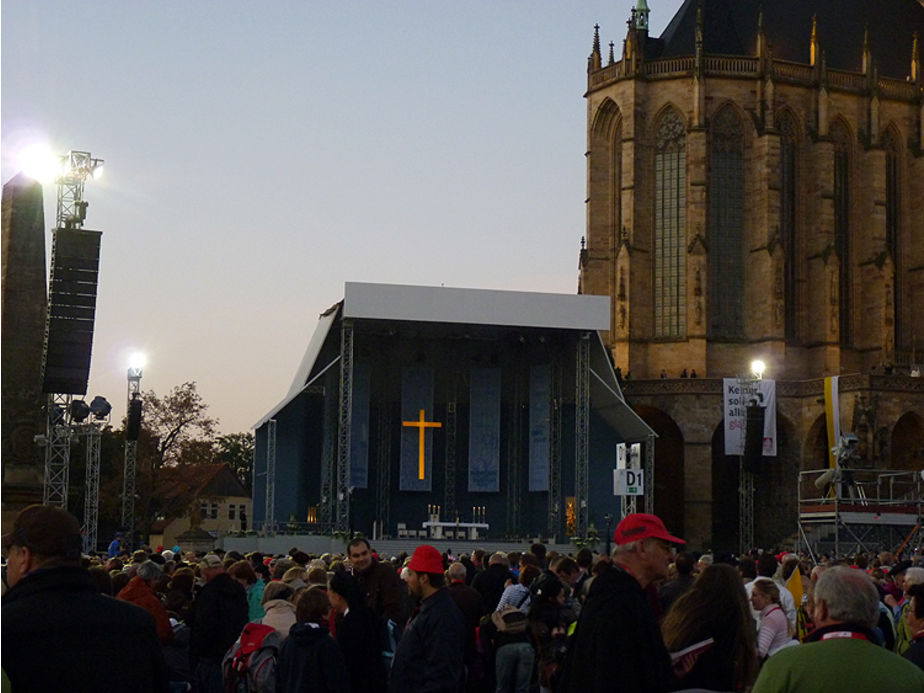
(841, 664)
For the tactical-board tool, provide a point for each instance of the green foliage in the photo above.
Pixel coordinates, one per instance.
(236, 450)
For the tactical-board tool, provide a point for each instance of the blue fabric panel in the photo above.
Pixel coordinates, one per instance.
(416, 394)
(484, 430)
(540, 395)
(359, 431)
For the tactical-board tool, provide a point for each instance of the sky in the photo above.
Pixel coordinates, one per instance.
(258, 155)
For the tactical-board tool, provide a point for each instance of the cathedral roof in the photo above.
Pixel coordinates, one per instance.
(730, 28)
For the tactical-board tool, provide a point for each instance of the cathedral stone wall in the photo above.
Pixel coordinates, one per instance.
(839, 295)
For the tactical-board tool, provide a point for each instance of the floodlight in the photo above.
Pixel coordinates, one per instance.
(757, 368)
(39, 162)
(98, 171)
(136, 363)
(79, 410)
(100, 407)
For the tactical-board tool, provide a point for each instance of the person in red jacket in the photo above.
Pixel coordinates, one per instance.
(140, 591)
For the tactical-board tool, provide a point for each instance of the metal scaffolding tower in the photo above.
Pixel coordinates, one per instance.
(582, 432)
(91, 490)
(269, 516)
(344, 430)
(131, 457)
(57, 450)
(71, 211)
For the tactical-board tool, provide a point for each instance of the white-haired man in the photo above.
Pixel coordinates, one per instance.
(840, 654)
(617, 645)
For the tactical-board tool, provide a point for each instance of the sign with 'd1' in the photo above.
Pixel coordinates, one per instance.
(628, 482)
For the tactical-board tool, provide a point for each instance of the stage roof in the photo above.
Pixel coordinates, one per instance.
(476, 306)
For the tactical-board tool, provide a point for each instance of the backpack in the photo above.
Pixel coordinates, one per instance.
(250, 665)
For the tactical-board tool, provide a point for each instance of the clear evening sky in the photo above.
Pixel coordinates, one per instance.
(260, 154)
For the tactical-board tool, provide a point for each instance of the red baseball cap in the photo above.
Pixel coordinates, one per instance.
(638, 526)
(426, 559)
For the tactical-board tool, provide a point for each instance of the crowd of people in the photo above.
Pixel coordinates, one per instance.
(645, 618)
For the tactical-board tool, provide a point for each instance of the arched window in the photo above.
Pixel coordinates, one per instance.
(670, 224)
(788, 149)
(842, 227)
(893, 227)
(726, 225)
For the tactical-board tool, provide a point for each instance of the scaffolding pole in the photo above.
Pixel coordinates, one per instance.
(581, 432)
(57, 451)
(91, 490)
(269, 512)
(344, 430)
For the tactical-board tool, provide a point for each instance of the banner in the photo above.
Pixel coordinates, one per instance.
(540, 395)
(359, 426)
(484, 430)
(416, 396)
(832, 418)
(738, 394)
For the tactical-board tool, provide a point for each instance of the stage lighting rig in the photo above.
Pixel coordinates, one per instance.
(76, 168)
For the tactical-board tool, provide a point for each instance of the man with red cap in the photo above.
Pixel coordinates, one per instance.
(617, 645)
(429, 654)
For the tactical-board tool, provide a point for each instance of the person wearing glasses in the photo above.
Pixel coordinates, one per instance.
(617, 644)
(59, 633)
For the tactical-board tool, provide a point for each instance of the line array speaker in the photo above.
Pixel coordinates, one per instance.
(71, 310)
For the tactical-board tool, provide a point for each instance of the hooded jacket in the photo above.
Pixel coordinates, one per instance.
(140, 593)
(310, 660)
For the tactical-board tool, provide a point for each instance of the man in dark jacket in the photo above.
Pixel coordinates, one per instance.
(59, 632)
(471, 606)
(429, 655)
(491, 582)
(379, 583)
(216, 619)
(617, 645)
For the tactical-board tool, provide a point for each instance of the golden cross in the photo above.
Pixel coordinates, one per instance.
(423, 425)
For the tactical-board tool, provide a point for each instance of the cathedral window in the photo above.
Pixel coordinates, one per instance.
(670, 223)
(726, 226)
(842, 227)
(788, 194)
(893, 227)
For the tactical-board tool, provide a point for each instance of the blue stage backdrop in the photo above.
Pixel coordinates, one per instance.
(484, 430)
(359, 434)
(540, 391)
(416, 394)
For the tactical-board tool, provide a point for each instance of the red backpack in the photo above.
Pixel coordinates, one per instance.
(250, 665)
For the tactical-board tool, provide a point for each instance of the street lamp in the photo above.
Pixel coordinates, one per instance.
(136, 364)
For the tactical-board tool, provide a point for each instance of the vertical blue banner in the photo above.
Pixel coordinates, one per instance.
(484, 430)
(359, 430)
(540, 395)
(416, 394)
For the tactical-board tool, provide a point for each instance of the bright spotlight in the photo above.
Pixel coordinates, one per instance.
(98, 172)
(757, 368)
(136, 364)
(39, 162)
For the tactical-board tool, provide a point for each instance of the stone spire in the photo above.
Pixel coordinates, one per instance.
(595, 53)
(612, 55)
(867, 56)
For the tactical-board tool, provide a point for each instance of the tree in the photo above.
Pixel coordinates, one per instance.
(175, 431)
(236, 450)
